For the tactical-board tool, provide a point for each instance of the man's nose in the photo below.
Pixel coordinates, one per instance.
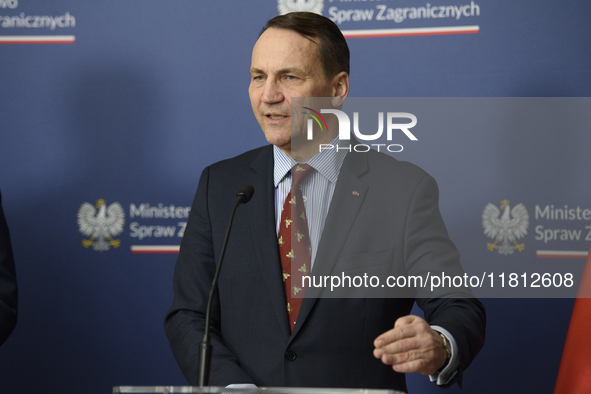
(272, 92)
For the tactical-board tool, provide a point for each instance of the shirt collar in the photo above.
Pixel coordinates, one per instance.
(327, 162)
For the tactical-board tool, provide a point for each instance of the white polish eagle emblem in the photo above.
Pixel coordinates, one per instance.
(287, 6)
(101, 226)
(507, 228)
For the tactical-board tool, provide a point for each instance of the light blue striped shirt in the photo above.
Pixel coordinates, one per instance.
(317, 189)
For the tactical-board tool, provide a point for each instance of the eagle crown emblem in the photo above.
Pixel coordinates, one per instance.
(287, 6)
(505, 228)
(101, 223)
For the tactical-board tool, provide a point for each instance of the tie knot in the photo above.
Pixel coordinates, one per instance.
(299, 173)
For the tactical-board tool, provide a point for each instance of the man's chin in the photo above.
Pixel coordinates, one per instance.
(283, 143)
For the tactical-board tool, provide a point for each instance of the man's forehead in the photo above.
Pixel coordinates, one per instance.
(279, 36)
(284, 48)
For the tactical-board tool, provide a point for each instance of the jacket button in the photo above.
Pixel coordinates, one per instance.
(290, 356)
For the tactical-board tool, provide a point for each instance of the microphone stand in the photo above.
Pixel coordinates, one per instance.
(205, 349)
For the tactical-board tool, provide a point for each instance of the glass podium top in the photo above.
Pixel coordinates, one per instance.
(262, 390)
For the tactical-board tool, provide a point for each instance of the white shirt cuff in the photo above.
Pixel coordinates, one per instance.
(451, 368)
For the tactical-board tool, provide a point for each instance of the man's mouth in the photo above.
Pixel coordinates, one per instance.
(276, 117)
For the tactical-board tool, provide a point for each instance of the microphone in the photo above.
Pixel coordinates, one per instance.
(245, 193)
(242, 197)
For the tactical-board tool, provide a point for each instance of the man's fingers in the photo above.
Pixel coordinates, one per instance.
(412, 361)
(404, 327)
(393, 359)
(411, 366)
(422, 365)
(405, 320)
(401, 346)
(395, 334)
(411, 346)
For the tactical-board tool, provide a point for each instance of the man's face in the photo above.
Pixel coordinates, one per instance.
(284, 65)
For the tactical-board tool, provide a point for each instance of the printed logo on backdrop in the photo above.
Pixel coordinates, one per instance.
(559, 231)
(505, 226)
(154, 227)
(15, 22)
(358, 19)
(287, 6)
(562, 230)
(101, 223)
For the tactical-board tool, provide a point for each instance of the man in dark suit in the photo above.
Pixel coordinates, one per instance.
(331, 342)
(8, 290)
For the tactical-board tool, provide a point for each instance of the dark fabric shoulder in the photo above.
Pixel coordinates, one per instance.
(410, 169)
(244, 159)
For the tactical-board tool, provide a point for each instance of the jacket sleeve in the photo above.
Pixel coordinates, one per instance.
(8, 289)
(429, 249)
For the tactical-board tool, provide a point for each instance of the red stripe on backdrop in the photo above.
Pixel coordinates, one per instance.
(36, 40)
(410, 32)
(353, 35)
(560, 256)
(155, 249)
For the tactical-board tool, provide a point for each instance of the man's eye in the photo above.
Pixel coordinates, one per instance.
(291, 77)
(258, 78)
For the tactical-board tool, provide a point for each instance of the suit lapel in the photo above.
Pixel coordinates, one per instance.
(264, 235)
(347, 199)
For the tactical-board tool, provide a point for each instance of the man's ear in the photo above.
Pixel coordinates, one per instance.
(337, 102)
(340, 83)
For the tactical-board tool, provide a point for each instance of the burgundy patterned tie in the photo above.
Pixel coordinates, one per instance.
(294, 242)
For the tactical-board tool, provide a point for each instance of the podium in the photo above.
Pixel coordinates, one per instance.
(258, 390)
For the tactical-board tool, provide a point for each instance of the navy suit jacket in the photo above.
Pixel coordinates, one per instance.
(332, 343)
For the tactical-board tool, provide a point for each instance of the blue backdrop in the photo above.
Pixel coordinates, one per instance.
(137, 97)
